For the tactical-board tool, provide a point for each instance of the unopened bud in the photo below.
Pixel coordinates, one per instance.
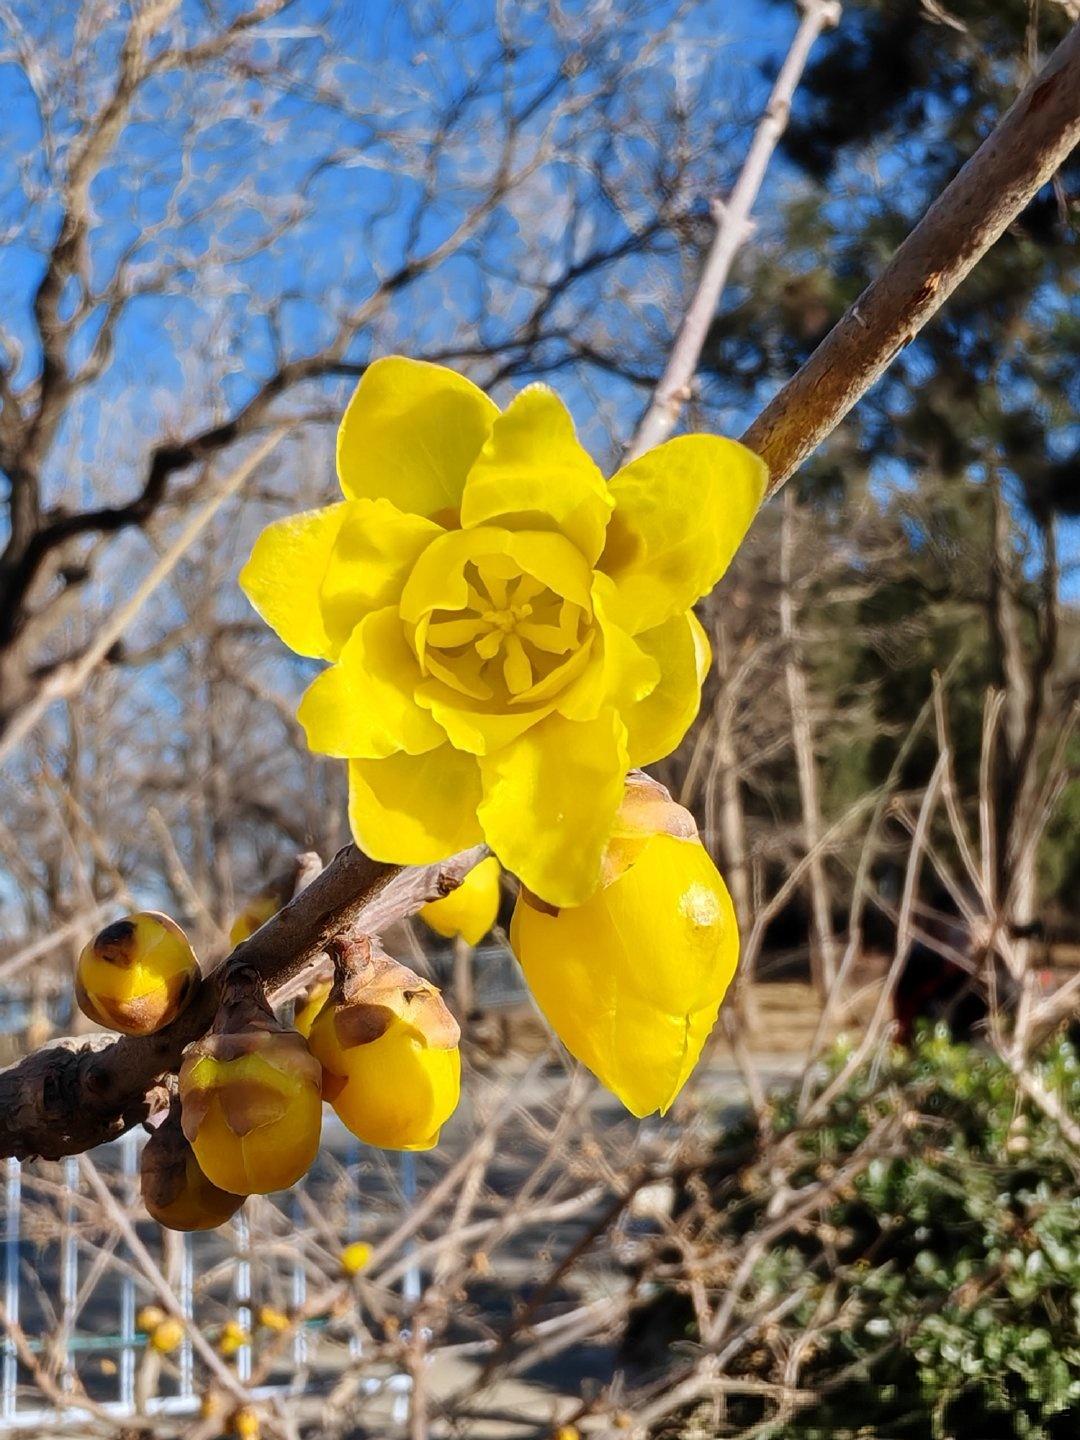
(137, 974)
(251, 1102)
(388, 1047)
(471, 909)
(175, 1191)
(355, 1257)
(632, 980)
(309, 1006)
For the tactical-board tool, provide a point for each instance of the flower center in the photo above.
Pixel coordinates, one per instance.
(512, 634)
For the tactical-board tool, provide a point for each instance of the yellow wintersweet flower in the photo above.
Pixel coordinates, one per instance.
(632, 980)
(470, 910)
(508, 633)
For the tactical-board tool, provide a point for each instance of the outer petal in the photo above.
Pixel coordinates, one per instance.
(415, 809)
(284, 572)
(533, 475)
(550, 800)
(680, 514)
(375, 549)
(363, 706)
(410, 434)
(657, 723)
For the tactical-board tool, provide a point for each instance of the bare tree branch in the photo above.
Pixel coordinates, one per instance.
(1018, 157)
(733, 225)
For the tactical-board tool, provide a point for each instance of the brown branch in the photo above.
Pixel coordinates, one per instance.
(1030, 142)
(74, 1094)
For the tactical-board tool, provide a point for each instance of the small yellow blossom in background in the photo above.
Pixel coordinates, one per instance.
(308, 1007)
(270, 1318)
(149, 1317)
(470, 910)
(508, 633)
(244, 1423)
(355, 1257)
(166, 1336)
(254, 915)
(632, 980)
(233, 1337)
(566, 1432)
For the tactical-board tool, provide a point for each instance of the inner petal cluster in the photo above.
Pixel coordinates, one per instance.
(514, 641)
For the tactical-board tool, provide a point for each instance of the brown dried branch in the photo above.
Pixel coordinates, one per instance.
(76, 1093)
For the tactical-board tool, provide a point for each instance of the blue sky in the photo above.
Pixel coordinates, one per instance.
(380, 53)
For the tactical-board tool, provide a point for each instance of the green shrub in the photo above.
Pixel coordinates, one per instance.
(942, 1280)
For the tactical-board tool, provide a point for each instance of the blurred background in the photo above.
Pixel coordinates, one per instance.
(862, 1217)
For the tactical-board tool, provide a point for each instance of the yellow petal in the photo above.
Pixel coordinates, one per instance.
(375, 549)
(284, 573)
(632, 980)
(410, 434)
(533, 475)
(681, 511)
(550, 799)
(619, 672)
(470, 910)
(438, 581)
(656, 724)
(363, 707)
(415, 809)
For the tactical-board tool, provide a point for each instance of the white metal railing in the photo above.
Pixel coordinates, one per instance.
(21, 1403)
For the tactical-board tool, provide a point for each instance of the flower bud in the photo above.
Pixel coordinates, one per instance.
(388, 1047)
(632, 980)
(355, 1257)
(470, 910)
(254, 914)
(250, 1098)
(309, 1006)
(166, 1336)
(271, 1318)
(149, 1318)
(244, 1423)
(137, 974)
(233, 1337)
(175, 1191)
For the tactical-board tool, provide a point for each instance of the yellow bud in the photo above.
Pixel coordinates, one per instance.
(567, 1432)
(309, 1007)
(137, 974)
(233, 1337)
(254, 914)
(244, 1423)
(470, 910)
(251, 1104)
(355, 1257)
(166, 1336)
(272, 1319)
(632, 980)
(149, 1318)
(388, 1047)
(175, 1191)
